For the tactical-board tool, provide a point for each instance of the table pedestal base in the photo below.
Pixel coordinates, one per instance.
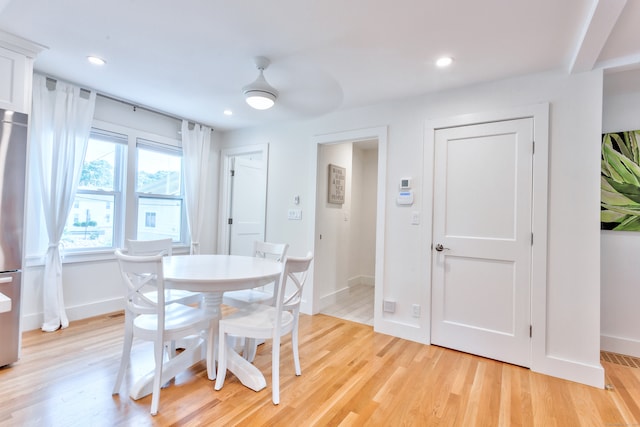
(189, 356)
(246, 372)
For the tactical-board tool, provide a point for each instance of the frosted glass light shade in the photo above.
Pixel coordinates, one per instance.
(260, 94)
(260, 100)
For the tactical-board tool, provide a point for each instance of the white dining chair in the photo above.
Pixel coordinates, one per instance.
(163, 247)
(262, 321)
(262, 295)
(152, 319)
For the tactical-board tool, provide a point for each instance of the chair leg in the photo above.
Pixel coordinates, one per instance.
(158, 350)
(222, 359)
(275, 369)
(294, 347)
(126, 354)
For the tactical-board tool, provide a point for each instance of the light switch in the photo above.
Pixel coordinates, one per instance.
(415, 218)
(294, 214)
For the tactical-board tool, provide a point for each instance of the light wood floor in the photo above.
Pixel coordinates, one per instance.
(356, 305)
(350, 376)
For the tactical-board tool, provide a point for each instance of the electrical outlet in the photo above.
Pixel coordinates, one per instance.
(416, 310)
(389, 306)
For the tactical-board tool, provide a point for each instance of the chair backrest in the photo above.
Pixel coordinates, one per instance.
(294, 272)
(138, 274)
(150, 247)
(276, 251)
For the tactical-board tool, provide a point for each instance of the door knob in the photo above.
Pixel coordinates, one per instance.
(441, 248)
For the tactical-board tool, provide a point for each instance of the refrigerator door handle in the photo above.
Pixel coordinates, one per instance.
(7, 279)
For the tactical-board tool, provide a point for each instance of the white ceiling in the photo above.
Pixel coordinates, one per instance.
(191, 58)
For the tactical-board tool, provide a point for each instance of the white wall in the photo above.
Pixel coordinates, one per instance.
(362, 240)
(93, 287)
(572, 335)
(620, 251)
(333, 224)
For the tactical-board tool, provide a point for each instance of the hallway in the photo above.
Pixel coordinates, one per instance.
(357, 306)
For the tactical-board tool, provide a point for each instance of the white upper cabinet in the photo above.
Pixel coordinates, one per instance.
(16, 72)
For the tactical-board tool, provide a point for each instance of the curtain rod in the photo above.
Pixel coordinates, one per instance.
(142, 107)
(131, 104)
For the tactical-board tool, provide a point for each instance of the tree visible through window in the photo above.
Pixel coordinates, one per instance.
(90, 224)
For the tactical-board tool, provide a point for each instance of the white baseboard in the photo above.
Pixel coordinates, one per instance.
(361, 280)
(332, 298)
(592, 375)
(34, 321)
(620, 345)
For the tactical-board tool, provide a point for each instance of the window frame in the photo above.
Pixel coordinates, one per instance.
(165, 149)
(126, 211)
(119, 177)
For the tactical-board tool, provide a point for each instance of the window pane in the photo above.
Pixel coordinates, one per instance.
(158, 172)
(159, 218)
(99, 165)
(90, 222)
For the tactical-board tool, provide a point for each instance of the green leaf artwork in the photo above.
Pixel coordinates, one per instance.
(620, 181)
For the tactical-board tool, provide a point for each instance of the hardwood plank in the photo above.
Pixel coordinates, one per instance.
(351, 376)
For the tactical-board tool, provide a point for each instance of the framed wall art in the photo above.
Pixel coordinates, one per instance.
(620, 181)
(337, 181)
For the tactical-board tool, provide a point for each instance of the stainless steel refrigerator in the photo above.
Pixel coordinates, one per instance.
(13, 154)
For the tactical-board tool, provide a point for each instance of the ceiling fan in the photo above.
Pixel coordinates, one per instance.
(260, 94)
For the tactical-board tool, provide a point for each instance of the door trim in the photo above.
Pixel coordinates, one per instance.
(311, 299)
(225, 167)
(540, 115)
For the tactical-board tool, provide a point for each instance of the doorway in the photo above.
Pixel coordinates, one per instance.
(481, 290)
(347, 230)
(535, 331)
(244, 198)
(331, 277)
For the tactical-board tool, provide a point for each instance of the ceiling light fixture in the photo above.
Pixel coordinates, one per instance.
(227, 113)
(260, 94)
(445, 61)
(96, 60)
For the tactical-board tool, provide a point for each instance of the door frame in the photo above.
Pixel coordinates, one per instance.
(540, 115)
(311, 300)
(226, 156)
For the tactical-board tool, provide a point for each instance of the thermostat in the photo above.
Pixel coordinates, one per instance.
(405, 183)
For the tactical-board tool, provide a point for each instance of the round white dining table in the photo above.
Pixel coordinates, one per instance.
(213, 275)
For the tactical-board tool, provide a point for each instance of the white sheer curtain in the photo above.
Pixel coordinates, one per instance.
(196, 151)
(60, 126)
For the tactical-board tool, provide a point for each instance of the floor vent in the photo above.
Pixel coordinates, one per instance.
(620, 359)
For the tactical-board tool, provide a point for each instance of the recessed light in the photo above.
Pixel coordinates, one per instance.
(228, 113)
(96, 60)
(445, 61)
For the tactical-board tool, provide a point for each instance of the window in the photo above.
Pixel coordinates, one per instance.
(159, 192)
(89, 226)
(116, 164)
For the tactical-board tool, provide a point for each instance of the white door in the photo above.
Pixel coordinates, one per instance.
(481, 256)
(247, 205)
